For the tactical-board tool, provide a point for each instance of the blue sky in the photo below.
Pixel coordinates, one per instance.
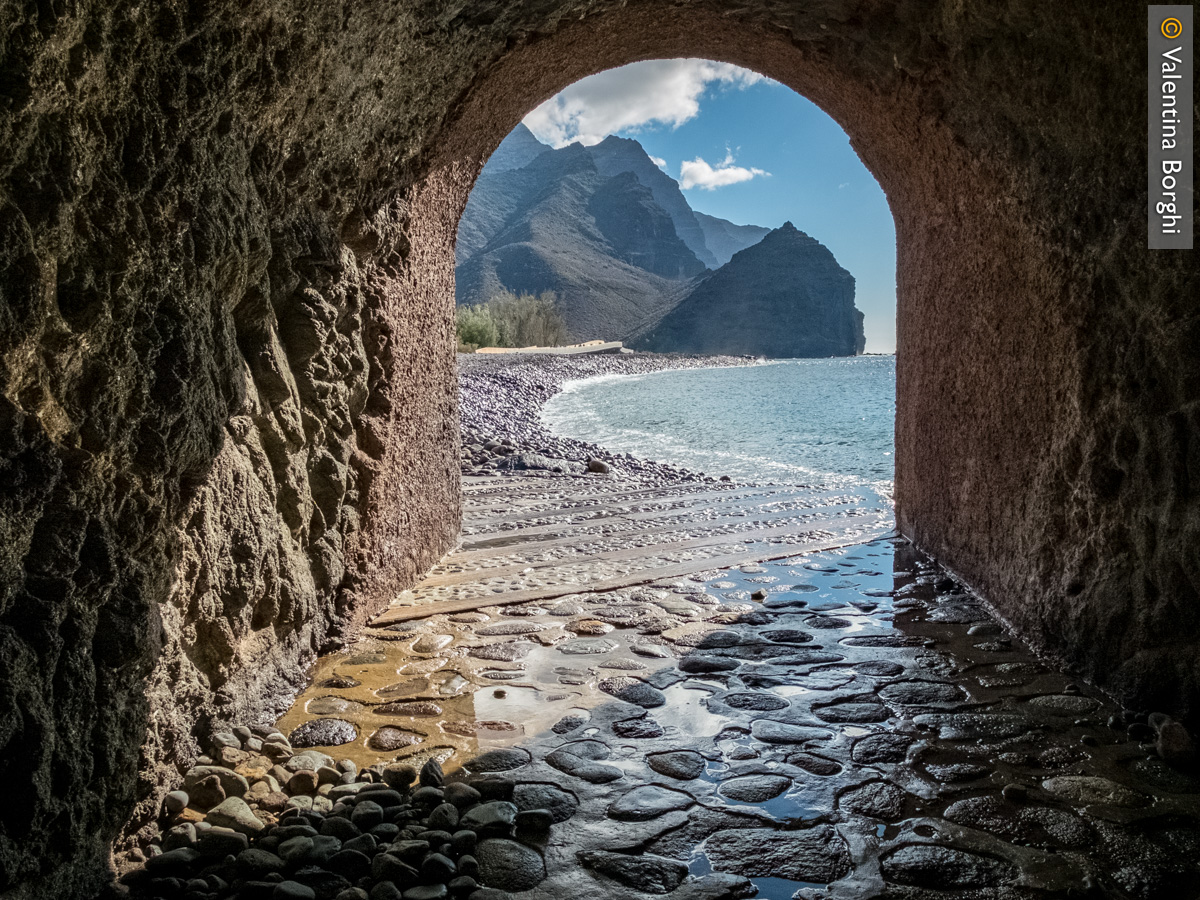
(750, 150)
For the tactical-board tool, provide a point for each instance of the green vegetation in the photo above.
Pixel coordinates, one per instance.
(511, 320)
(475, 328)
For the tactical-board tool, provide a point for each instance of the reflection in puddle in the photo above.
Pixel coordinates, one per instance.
(687, 711)
(877, 726)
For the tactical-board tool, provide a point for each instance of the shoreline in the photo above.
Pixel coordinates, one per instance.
(501, 399)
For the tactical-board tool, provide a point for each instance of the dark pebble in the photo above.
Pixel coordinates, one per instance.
(534, 821)
(462, 795)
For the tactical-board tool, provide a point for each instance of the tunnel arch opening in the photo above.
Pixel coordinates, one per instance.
(776, 158)
(972, 275)
(994, 283)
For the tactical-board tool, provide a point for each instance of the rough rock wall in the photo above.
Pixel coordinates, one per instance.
(226, 392)
(227, 398)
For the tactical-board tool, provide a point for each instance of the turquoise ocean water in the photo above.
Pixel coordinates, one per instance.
(821, 422)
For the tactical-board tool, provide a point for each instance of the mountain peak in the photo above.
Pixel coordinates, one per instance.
(516, 151)
(614, 140)
(785, 296)
(615, 154)
(568, 160)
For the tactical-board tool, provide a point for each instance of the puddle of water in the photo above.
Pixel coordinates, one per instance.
(687, 710)
(781, 888)
(768, 888)
(791, 690)
(534, 709)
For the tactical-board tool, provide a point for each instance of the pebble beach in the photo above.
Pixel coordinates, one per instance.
(501, 397)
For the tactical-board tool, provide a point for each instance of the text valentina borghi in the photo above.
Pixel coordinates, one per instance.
(1168, 205)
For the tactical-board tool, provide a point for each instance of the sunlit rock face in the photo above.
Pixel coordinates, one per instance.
(227, 392)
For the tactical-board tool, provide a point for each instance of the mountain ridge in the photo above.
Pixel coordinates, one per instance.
(613, 236)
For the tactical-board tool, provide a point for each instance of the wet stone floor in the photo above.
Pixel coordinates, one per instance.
(836, 723)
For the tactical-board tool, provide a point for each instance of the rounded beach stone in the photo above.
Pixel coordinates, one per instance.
(876, 799)
(293, 890)
(491, 816)
(504, 759)
(754, 788)
(816, 854)
(510, 651)
(640, 727)
(649, 801)
(643, 872)
(208, 792)
(234, 813)
(853, 712)
(771, 732)
(323, 733)
(942, 868)
(303, 782)
(233, 784)
(509, 866)
(683, 765)
(388, 738)
(755, 701)
(560, 803)
(176, 802)
(444, 817)
(881, 748)
(632, 690)
(1093, 789)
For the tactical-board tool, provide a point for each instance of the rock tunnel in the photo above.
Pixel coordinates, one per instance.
(228, 389)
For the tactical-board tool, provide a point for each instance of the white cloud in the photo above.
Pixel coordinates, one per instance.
(697, 173)
(633, 97)
(659, 161)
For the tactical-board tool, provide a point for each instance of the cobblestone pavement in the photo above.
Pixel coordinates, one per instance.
(811, 721)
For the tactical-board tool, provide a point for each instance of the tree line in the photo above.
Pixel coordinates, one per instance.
(511, 320)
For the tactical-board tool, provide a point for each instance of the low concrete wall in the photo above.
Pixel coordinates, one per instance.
(572, 350)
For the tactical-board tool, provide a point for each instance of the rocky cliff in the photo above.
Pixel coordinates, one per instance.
(603, 227)
(616, 263)
(601, 243)
(784, 297)
(638, 230)
(615, 155)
